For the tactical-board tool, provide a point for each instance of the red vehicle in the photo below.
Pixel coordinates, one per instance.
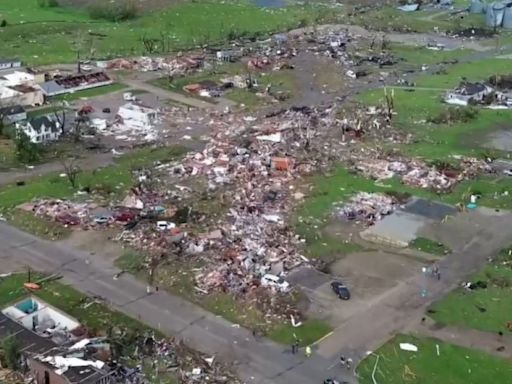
(67, 219)
(124, 216)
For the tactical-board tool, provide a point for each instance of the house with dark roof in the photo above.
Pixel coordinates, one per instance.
(13, 114)
(468, 92)
(10, 63)
(41, 130)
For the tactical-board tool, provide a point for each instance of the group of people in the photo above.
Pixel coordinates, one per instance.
(346, 362)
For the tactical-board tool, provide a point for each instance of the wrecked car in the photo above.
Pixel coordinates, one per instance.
(275, 282)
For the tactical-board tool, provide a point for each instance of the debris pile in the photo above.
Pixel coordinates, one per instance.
(416, 173)
(367, 207)
(173, 65)
(62, 211)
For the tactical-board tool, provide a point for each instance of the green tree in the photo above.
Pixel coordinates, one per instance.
(11, 353)
(27, 151)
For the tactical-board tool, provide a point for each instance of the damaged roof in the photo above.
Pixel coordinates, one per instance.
(27, 340)
(468, 89)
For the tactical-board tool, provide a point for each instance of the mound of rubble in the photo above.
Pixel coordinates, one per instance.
(367, 207)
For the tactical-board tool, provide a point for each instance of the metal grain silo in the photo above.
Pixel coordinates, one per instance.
(494, 15)
(507, 17)
(476, 6)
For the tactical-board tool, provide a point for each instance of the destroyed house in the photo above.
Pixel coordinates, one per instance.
(137, 116)
(467, 92)
(14, 114)
(48, 362)
(58, 369)
(74, 83)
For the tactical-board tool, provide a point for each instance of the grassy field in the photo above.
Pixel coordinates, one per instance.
(429, 246)
(438, 141)
(486, 309)
(388, 18)
(87, 93)
(116, 178)
(454, 365)
(419, 55)
(49, 35)
(472, 71)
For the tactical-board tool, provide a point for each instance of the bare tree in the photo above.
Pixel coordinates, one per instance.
(60, 117)
(82, 120)
(72, 170)
(150, 44)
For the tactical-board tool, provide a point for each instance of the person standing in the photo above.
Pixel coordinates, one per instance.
(308, 351)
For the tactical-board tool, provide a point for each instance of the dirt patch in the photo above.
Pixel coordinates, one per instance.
(97, 243)
(143, 5)
(500, 140)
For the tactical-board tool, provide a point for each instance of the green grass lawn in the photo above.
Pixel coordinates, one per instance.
(388, 18)
(438, 141)
(308, 333)
(461, 308)
(95, 316)
(473, 71)
(52, 35)
(113, 179)
(7, 154)
(429, 246)
(454, 365)
(420, 55)
(92, 92)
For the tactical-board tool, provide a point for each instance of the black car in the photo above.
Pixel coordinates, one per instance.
(341, 290)
(333, 381)
(106, 110)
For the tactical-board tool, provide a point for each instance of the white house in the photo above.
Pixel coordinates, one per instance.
(41, 130)
(13, 114)
(467, 92)
(137, 116)
(9, 63)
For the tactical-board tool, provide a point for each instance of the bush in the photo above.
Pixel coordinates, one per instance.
(114, 12)
(454, 115)
(48, 3)
(3, 23)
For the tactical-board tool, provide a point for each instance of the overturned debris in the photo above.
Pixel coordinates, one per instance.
(367, 207)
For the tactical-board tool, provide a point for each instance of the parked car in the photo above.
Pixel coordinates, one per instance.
(275, 282)
(507, 172)
(164, 225)
(331, 381)
(103, 219)
(340, 290)
(106, 110)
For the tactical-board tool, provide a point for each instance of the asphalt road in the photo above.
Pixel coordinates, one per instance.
(257, 361)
